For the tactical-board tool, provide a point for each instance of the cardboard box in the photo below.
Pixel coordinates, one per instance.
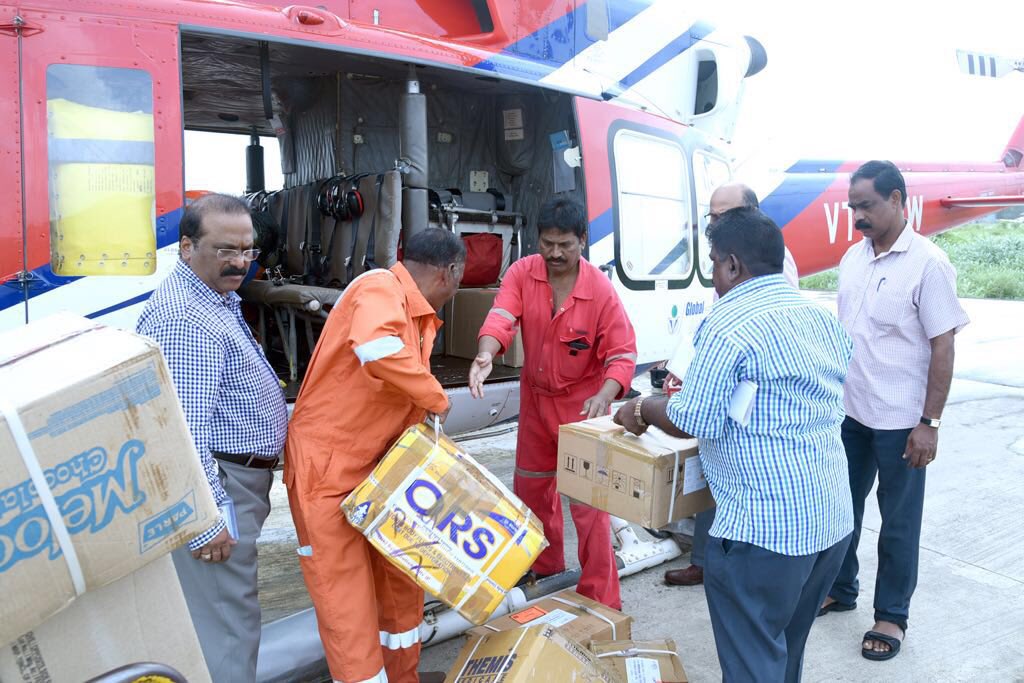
(575, 617)
(463, 317)
(141, 617)
(97, 408)
(651, 480)
(647, 661)
(538, 654)
(453, 527)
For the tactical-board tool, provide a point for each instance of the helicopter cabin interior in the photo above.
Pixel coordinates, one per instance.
(372, 149)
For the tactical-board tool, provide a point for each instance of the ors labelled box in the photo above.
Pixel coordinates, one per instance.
(93, 411)
(646, 661)
(463, 317)
(439, 516)
(575, 616)
(141, 617)
(652, 480)
(537, 654)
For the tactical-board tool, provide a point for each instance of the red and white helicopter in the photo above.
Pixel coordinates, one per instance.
(464, 113)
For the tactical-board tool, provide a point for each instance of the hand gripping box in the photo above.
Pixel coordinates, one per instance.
(538, 654)
(648, 661)
(141, 617)
(453, 527)
(574, 615)
(652, 480)
(98, 473)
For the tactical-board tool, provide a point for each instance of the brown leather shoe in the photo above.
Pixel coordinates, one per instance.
(690, 576)
(431, 676)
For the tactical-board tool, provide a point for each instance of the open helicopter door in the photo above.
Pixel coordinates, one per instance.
(643, 216)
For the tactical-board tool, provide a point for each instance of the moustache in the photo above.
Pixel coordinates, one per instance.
(228, 272)
(862, 225)
(556, 260)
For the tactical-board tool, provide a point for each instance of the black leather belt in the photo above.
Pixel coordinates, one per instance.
(259, 462)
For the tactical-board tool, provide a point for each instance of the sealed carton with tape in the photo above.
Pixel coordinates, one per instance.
(537, 654)
(574, 615)
(98, 472)
(453, 527)
(652, 480)
(647, 661)
(141, 617)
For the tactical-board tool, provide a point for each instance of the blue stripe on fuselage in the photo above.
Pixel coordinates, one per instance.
(600, 227)
(815, 166)
(43, 279)
(536, 55)
(679, 45)
(796, 193)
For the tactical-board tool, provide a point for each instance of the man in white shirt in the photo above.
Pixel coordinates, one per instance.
(897, 299)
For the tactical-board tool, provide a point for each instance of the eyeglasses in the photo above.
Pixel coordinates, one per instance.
(232, 254)
(711, 216)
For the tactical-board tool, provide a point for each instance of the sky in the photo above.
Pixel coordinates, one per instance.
(845, 80)
(868, 79)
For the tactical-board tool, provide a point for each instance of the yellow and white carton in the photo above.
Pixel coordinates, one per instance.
(447, 522)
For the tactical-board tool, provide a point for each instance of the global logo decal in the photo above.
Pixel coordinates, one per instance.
(673, 321)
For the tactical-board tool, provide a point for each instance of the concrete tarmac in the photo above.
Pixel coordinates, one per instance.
(967, 616)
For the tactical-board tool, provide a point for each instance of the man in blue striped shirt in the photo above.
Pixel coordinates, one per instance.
(775, 465)
(236, 411)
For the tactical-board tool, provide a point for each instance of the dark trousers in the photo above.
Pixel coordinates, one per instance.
(763, 605)
(702, 526)
(901, 503)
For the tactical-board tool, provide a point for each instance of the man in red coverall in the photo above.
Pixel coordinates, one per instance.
(580, 355)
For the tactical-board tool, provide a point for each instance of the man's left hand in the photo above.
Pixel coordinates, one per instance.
(921, 446)
(626, 416)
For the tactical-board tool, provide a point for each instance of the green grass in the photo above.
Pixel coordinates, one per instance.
(989, 261)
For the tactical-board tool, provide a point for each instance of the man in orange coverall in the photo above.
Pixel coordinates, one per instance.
(368, 380)
(580, 355)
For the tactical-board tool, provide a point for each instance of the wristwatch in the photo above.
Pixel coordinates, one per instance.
(933, 423)
(638, 412)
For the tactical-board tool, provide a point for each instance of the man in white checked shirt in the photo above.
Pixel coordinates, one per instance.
(897, 299)
(784, 513)
(236, 411)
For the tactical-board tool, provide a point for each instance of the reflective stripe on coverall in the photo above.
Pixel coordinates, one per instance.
(556, 380)
(368, 380)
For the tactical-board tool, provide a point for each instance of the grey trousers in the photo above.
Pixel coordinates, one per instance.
(222, 597)
(763, 605)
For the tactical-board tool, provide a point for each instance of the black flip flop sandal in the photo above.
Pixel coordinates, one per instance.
(893, 643)
(836, 607)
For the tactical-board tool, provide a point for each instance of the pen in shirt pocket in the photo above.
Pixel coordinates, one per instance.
(881, 282)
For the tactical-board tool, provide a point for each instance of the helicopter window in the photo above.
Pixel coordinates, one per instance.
(709, 171)
(655, 230)
(101, 184)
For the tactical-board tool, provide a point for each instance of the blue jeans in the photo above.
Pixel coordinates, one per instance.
(901, 503)
(763, 605)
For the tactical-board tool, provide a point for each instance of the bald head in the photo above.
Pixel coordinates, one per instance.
(731, 196)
